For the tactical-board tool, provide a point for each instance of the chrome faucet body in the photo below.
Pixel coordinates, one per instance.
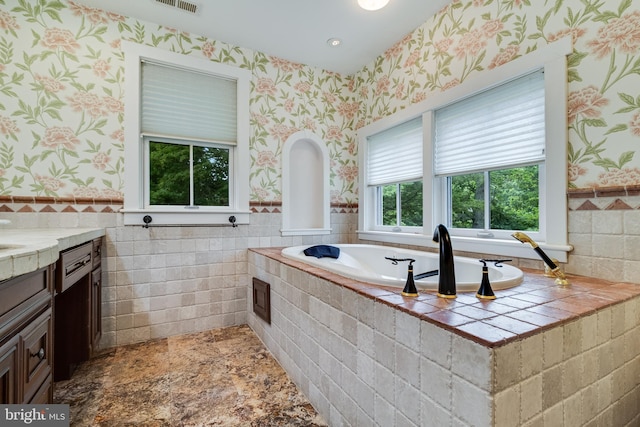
(447, 276)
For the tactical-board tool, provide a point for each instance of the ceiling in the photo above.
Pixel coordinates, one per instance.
(296, 30)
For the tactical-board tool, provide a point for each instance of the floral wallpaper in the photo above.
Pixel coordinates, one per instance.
(61, 83)
(61, 108)
(468, 37)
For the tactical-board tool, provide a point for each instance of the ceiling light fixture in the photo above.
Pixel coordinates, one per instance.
(372, 4)
(334, 42)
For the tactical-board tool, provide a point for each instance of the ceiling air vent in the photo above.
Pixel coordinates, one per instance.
(180, 4)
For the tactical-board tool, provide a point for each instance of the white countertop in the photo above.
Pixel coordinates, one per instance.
(23, 250)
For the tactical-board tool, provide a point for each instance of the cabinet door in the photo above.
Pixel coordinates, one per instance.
(36, 354)
(44, 395)
(9, 372)
(96, 308)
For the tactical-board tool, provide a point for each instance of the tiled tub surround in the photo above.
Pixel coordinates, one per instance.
(539, 354)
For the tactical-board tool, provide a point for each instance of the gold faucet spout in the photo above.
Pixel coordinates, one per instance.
(555, 269)
(525, 239)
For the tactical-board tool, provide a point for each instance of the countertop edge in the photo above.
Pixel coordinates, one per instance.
(30, 249)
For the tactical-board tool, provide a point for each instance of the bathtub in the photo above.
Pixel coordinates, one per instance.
(367, 263)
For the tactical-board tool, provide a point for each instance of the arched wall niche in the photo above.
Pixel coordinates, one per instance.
(305, 185)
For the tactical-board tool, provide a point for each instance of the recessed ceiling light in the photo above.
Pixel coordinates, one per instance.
(334, 42)
(372, 4)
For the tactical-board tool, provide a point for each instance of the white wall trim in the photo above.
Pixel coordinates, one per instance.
(134, 53)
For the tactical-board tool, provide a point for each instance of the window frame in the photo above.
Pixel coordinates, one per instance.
(191, 143)
(136, 162)
(554, 231)
(379, 203)
(488, 232)
(381, 146)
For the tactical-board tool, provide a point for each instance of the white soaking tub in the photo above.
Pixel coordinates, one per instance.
(368, 263)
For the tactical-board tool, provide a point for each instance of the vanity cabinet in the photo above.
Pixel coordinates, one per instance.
(9, 371)
(77, 307)
(36, 355)
(26, 346)
(54, 310)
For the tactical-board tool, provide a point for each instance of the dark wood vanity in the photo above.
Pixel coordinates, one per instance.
(77, 303)
(50, 321)
(26, 361)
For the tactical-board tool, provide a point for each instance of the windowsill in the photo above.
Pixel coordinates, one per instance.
(194, 217)
(305, 231)
(499, 247)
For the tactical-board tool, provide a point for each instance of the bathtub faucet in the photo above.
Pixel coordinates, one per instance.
(410, 286)
(447, 276)
(555, 269)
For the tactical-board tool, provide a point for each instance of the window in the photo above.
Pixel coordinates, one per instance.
(485, 172)
(187, 175)
(186, 139)
(488, 151)
(400, 204)
(397, 180)
(505, 199)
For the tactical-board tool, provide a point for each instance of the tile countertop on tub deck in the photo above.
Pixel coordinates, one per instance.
(535, 305)
(23, 250)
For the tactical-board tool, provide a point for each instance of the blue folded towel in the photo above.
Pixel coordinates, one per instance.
(321, 251)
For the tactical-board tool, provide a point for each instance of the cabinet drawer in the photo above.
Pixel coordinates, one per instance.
(36, 354)
(20, 290)
(73, 265)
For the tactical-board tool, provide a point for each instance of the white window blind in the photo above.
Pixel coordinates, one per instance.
(503, 126)
(188, 104)
(395, 154)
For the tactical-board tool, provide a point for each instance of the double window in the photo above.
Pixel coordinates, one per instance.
(493, 161)
(186, 130)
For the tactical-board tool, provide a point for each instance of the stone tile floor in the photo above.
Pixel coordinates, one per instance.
(222, 377)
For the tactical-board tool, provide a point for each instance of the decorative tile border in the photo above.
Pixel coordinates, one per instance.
(16, 204)
(22, 204)
(583, 193)
(344, 208)
(276, 207)
(265, 207)
(611, 198)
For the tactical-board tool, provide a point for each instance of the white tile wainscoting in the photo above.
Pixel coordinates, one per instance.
(361, 361)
